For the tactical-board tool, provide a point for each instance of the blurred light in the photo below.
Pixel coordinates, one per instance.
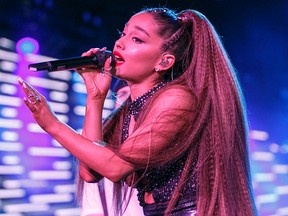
(284, 148)
(9, 112)
(59, 107)
(50, 175)
(79, 110)
(9, 146)
(274, 147)
(7, 43)
(27, 45)
(8, 78)
(62, 118)
(105, 113)
(264, 177)
(11, 170)
(26, 207)
(281, 190)
(259, 135)
(48, 152)
(48, 83)
(62, 165)
(62, 75)
(10, 56)
(26, 183)
(9, 136)
(51, 198)
(267, 198)
(8, 66)
(97, 21)
(79, 88)
(33, 127)
(67, 212)
(10, 101)
(64, 188)
(10, 160)
(282, 211)
(109, 104)
(280, 169)
(263, 156)
(58, 96)
(11, 123)
(15, 193)
(8, 89)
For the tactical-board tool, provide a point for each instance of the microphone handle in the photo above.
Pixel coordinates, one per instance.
(96, 60)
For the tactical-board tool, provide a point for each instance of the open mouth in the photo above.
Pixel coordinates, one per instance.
(118, 58)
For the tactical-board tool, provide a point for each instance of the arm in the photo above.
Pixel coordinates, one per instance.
(101, 159)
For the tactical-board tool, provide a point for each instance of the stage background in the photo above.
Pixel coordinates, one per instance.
(37, 174)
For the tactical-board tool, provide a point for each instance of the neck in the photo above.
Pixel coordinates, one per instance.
(140, 88)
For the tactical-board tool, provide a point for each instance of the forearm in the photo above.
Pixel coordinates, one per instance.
(92, 130)
(100, 159)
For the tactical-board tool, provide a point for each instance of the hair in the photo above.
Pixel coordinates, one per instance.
(218, 135)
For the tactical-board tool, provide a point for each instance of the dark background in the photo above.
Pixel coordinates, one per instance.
(254, 32)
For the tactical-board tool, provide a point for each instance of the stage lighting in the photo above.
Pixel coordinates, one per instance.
(27, 45)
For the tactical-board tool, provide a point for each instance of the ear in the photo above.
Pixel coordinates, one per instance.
(166, 62)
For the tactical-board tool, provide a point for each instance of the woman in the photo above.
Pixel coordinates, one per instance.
(181, 137)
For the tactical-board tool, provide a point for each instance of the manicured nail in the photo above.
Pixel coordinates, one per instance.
(20, 80)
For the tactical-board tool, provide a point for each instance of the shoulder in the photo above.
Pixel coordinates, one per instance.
(175, 96)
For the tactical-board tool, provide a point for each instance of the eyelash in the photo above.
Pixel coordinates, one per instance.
(121, 34)
(135, 39)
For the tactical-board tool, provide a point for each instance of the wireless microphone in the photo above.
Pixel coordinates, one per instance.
(98, 60)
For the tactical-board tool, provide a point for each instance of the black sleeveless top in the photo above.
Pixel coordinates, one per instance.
(161, 181)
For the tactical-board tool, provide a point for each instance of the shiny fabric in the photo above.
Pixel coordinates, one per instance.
(184, 208)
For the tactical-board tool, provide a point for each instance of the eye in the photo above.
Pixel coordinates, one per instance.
(137, 40)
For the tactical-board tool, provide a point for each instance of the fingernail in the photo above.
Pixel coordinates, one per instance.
(20, 80)
(24, 84)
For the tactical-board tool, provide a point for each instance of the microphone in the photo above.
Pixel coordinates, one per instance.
(98, 60)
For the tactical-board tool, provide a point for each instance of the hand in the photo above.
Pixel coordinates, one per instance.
(37, 104)
(97, 80)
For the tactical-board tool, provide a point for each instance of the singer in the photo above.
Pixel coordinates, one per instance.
(180, 138)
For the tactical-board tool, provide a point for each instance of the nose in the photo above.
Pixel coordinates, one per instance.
(119, 44)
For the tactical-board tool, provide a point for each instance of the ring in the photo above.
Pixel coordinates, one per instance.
(30, 95)
(106, 71)
(37, 99)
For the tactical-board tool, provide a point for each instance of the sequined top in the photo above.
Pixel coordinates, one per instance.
(161, 181)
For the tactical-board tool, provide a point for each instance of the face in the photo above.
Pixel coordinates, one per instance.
(137, 51)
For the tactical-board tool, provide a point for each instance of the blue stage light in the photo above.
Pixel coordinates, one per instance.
(27, 45)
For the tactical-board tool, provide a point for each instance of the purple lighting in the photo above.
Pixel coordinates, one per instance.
(27, 45)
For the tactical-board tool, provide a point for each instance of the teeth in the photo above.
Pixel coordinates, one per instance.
(118, 58)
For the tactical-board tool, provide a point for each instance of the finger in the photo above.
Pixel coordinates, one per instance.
(108, 69)
(90, 52)
(32, 94)
(28, 89)
(103, 49)
(29, 105)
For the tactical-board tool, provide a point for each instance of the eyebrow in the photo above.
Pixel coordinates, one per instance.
(140, 29)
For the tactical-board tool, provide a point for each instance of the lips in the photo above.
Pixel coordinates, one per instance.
(118, 58)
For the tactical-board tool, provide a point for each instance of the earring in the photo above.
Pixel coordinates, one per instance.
(156, 69)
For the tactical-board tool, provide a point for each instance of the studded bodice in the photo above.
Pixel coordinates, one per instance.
(160, 181)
